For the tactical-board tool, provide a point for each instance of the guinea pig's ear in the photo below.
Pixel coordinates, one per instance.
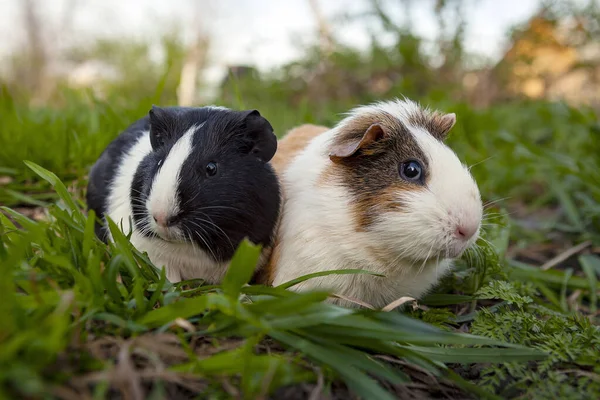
(262, 139)
(441, 124)
(345, 149)
(162, 122)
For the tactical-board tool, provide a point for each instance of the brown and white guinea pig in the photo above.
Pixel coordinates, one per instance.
(195, 181)
(381, 191)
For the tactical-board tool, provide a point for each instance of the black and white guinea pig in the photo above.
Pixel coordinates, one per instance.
(380, 191)
(195, 182)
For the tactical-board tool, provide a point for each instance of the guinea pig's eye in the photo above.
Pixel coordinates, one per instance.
(211, 169)
(411, 171)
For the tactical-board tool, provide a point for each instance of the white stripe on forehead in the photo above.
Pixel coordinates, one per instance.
(163, 196)
(217, 108)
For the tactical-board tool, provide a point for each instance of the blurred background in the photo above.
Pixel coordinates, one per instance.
(523, 77)
(302, 53)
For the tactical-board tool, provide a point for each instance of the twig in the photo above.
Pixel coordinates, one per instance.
(590, 375)
(185, 324)
(266, 382)
(572, 300)
(565, 255)
(397, 303)
(405, 364)
(126, 375)
(355, 301)
(67, 393)
(230, 389)
(316, 392)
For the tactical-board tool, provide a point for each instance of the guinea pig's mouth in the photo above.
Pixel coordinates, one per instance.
(455, 251)
(166, 238)
(168, 234)
(458, 248)
(449, 250)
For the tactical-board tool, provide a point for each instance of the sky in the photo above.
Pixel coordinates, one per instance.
(264, 33)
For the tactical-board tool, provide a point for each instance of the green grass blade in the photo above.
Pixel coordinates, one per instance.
(289, 305)
(477, 355)
(59, 187)
(361, 383)
(181, 309)
(294, 282)
(22, 220)
(241, 268)
(568, 205)
(23, 198)
(524, 272)
(120, 322)
(591, 266)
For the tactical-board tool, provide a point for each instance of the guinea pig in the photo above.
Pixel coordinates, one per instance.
(190, 183)
(382, 192)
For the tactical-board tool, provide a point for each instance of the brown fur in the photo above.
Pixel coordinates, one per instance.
(266, 274)
(294, 142)
(288, 148)
(371, 174)
(436, 123)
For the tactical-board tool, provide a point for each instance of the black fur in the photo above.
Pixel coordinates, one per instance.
(241, 200)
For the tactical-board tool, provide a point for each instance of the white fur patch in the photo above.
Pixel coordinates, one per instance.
(218, 108)
(163, 198)
(318, 231)
(119, 200)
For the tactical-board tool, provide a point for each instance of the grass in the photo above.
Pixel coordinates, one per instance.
(517, 318)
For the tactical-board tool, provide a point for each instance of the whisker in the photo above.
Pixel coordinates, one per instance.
(426, 258)
(489, 203)
(480, 162)
(220, 229)
(216, 226)
(204, 241)
(218, 207)
(190, 200)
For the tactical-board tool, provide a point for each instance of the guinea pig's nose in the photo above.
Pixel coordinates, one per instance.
(465, 231)
(160, 219)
